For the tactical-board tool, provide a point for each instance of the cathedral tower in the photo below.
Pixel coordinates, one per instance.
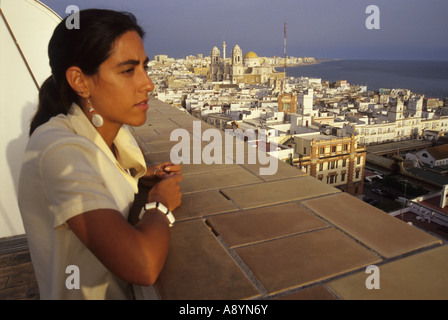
(237, 56)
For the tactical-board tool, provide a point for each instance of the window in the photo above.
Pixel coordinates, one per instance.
(357, 175)
(333, 149)
(345, 147)
(334, 164)
(344, 163)
(332, 179)
(321, 166)
(359, 160)
(322, 150)
(343, 177)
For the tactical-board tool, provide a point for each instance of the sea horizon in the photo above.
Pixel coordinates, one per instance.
(424, 77)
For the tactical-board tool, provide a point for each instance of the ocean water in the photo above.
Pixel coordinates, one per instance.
(423, 77)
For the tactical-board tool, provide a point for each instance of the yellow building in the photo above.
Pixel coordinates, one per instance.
(287, 103)
(338, 161)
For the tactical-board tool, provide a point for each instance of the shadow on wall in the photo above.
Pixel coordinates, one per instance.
(14, 155)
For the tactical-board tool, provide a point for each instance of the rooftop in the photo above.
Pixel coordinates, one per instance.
(439, 152)
(242, 235)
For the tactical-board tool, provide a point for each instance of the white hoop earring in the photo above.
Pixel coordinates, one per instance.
(97, 120)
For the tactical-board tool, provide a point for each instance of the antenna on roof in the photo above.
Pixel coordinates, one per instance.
(284, 46)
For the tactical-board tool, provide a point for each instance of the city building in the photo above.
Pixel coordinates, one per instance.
(396, 121)
(238, 69)
(336, 160)
(433, 156)
(287, 102)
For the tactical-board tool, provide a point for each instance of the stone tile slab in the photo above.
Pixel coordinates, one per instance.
(313, 293)
(3, 282)
(284, 171)
(198, 267)
(21, 278)
(188, 122)
(202, 204)
(155, 133)
(275, 192)
(156, 145)
(153, 158)
(383, 233)
(216, 180)
(250, 226)
(304, 259)
(188, 151)
(201, 168)
(421, 276)
(14, 293)
(16, 269)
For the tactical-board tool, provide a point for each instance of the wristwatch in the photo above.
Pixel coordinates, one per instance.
(157, 205)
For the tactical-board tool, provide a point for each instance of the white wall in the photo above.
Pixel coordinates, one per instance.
(32, 24)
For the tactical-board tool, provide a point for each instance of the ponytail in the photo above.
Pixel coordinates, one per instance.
(87, 48)
(50, 104)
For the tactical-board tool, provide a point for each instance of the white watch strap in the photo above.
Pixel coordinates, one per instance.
(159, 206)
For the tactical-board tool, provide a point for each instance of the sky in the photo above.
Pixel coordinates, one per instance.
(324, 29)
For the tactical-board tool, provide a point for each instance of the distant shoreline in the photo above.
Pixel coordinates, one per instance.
(429, 78)
(317, 61)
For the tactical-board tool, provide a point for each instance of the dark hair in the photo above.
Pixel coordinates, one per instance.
(86, 47)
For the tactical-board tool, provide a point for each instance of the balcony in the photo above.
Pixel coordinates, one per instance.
(243, 235)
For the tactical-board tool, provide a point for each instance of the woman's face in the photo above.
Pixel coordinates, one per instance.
(119, 91)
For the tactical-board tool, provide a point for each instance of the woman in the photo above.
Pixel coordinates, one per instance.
(82, 166)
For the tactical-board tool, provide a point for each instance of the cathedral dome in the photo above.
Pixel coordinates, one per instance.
(251, 59)
(250, 55)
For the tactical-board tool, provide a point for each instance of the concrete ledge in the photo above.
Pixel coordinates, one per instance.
(242, 235)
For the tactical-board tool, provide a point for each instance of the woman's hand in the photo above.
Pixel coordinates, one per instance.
(160, 170)
(154, 173)
(167, 190)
